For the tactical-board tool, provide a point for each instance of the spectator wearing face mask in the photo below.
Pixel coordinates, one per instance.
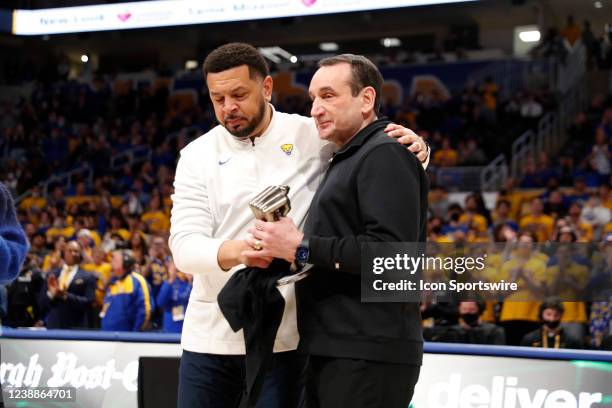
(473, 330)
(550, 334)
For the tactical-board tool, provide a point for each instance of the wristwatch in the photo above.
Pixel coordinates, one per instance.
(302, 253)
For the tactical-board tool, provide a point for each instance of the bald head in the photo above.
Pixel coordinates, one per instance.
(72, 253)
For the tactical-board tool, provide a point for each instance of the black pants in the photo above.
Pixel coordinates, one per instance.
(217, 381)
(338, 383)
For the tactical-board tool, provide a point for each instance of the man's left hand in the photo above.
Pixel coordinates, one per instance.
(278, 239)
(407, 137)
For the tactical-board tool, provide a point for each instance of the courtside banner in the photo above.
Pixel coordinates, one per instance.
(163, 13)
(521, 271)
(104, 374)
(451, 381)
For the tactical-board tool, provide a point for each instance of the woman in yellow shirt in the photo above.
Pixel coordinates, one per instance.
(471, 217)
(537, 221)
(102, 270)
(447, 156)
(54, 259)
(155, 217)
(526, 267)
(568, 280)
(117, 226)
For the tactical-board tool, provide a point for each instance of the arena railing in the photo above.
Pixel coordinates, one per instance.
(430, 347)
(494, 175)
(513, 75)
(460, 178)
(551, 131)
(133, 156)
(191, 133)
(547, 133)
(572, 69)
(574, 102)
(66, 178)
(522, 148)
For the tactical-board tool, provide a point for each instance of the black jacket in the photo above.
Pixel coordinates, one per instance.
(23, 305)
(484, 333)
(540, 338)
(373, 191)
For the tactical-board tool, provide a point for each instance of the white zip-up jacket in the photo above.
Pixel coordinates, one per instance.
(217, 175)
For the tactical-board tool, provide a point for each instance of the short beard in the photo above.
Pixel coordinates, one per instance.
(246, 132)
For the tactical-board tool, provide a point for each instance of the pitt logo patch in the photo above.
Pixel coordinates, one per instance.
(287, 148)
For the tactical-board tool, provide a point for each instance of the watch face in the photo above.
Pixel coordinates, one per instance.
(302, 254)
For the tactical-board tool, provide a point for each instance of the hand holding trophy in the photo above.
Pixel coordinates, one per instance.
(270, 205)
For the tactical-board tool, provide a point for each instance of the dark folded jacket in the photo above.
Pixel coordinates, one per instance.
(250, 301)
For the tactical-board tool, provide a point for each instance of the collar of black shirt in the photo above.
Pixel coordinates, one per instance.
(363, 135)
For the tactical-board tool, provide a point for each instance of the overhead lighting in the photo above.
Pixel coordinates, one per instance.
(530, 36)
(84, 58)
(293, 59)
(391, 42)
(277, 54)
(598, 5)
(328, 46)
(191, 64)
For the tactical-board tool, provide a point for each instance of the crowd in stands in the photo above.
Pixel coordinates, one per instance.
(558, 43)
(472, 128)
(584, 162)
(62, 126)
(85, 239)
(567, 200)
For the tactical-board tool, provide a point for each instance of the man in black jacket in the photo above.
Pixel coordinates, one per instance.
(474, 331)
(23, 308)
(551, 334)
(359, 354)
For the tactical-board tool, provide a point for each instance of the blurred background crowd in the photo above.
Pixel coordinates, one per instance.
(91, 162)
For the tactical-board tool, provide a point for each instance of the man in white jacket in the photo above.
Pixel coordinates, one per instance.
(253, 147)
